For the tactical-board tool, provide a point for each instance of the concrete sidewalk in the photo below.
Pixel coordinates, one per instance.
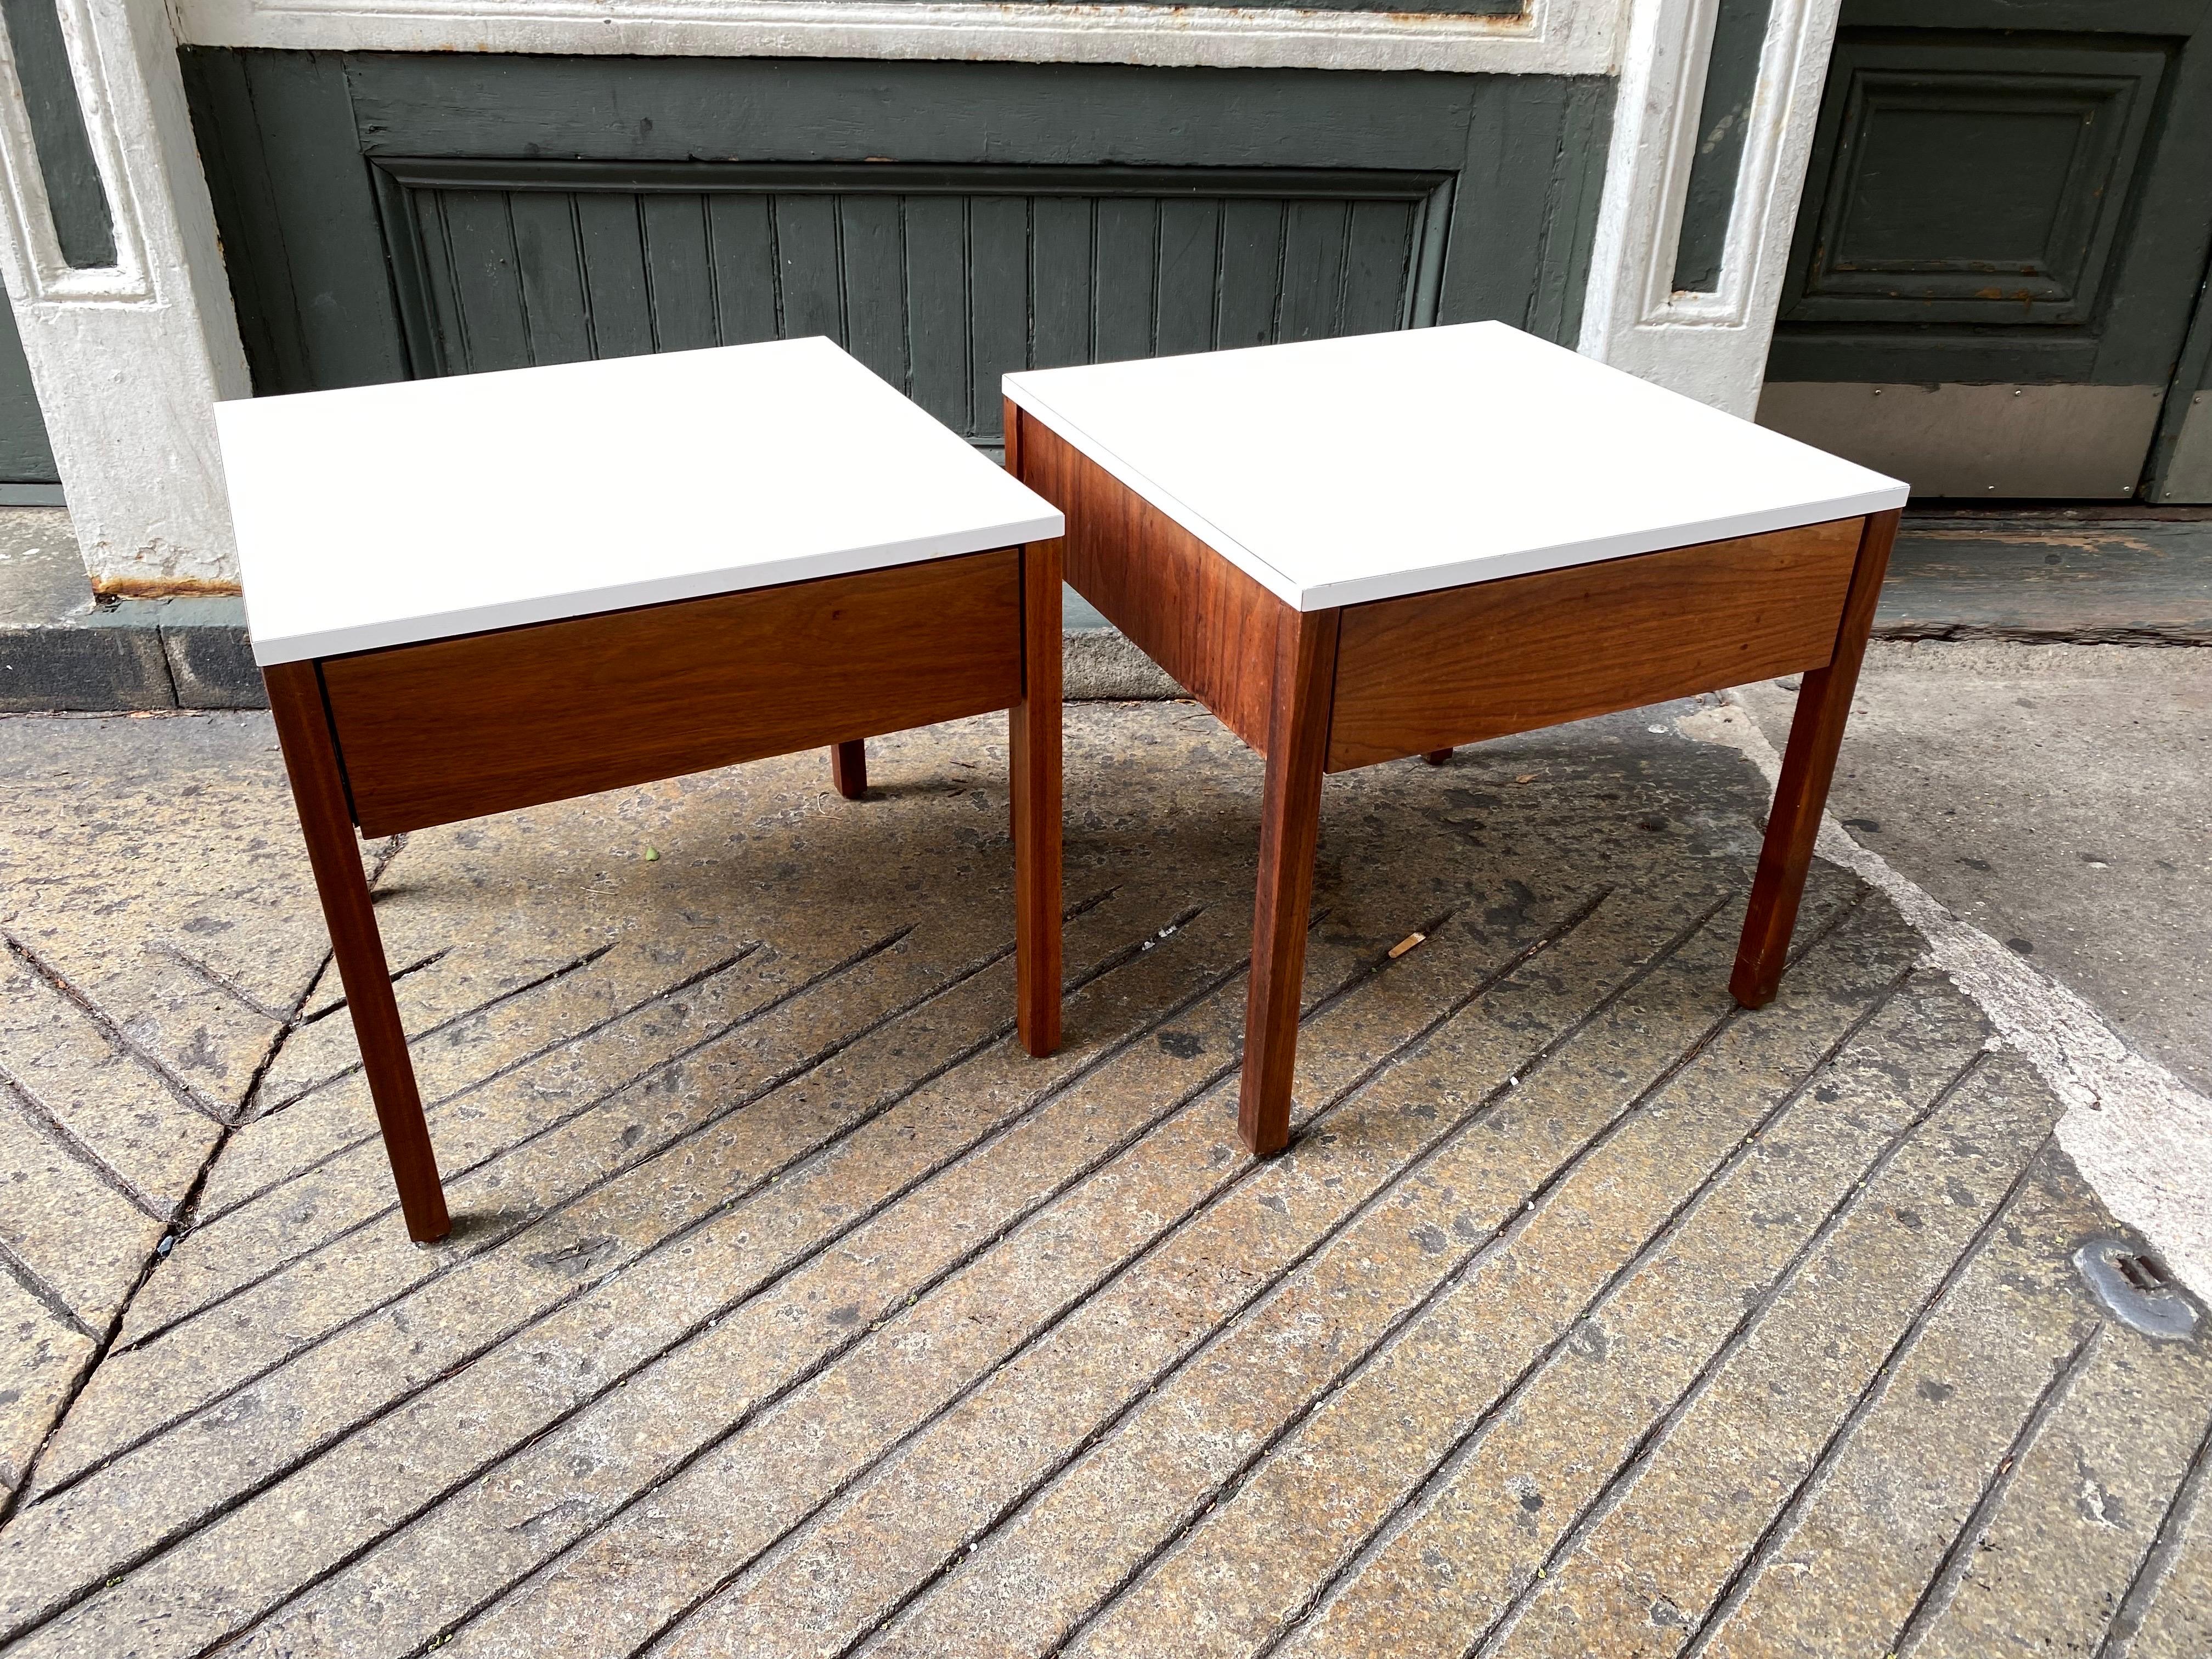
(2058, 797)
(792, 1310)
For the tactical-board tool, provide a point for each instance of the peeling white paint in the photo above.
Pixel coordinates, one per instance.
(2139, 1136)
(1713, 346)
(128, 360)
(1554, 37)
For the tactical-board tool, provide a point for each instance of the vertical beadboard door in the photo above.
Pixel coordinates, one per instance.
(386, 216)
(940, 279)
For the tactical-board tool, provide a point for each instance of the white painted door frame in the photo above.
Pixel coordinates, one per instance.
(1712, 346)
(128, 361)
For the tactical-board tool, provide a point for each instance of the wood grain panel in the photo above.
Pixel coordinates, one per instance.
(1210, 625)
(456, 728)
(1433, 671)
(1033, 767)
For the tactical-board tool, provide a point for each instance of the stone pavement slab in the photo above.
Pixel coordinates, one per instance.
(2058, 798)
(792, 1310)
(1717, 1288)
(157, 927)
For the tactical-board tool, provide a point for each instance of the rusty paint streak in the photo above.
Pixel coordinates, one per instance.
(164, 587)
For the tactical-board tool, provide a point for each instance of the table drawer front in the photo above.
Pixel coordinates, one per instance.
(455, 728)
(1436, 669)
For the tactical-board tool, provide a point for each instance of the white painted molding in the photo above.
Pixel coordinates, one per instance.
(128, 360)
(1710, 346)
(1555, 37)
(28, 216)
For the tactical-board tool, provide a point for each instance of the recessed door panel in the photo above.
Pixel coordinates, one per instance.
(1973, 184)
(2002, 243)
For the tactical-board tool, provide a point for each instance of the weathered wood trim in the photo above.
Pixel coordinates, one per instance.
(143, 483)
(909, 177)
(1553, 37)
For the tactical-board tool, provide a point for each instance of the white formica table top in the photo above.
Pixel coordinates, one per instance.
(392, 513)
(1338, 471)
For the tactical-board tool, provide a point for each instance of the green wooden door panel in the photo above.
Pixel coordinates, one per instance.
(77, 199)
(384, 216)
(807, 109)
(2023, 18)
(2003, 239)
(1731, 82)
(1986, 206)
(940, 279)
(302, 243)
(1973, 184)
(26, 457)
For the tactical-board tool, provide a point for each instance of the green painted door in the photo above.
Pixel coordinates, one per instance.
(386, 216)
(28, 474)
(1995, 287)
(83, 228)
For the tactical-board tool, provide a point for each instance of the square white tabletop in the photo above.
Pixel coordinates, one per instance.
(1338, 471)
(386, 514)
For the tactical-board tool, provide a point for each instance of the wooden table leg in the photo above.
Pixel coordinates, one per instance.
(1034, 761)
(1809, 765)
(848, 768)
(295, 697)
(1290, 828)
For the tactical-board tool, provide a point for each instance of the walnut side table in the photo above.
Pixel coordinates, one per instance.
(1360, 550)
(474, 594)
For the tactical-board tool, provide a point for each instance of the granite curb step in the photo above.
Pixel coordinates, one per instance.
(132, 654)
